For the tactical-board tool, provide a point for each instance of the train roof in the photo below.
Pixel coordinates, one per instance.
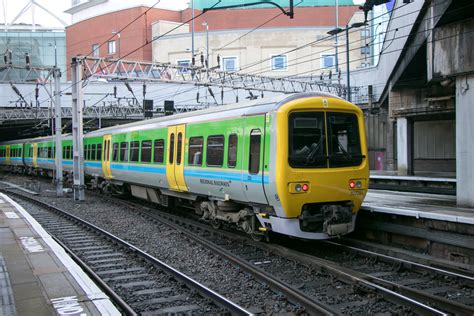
(237, 109)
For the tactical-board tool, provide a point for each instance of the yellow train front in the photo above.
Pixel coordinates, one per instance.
(320, 167)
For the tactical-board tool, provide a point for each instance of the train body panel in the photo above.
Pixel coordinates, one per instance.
(297, 165)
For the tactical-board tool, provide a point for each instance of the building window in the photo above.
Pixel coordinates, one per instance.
(279, 62)
(184, 63)
(95, 50)
(365, 50)
(328, 60)
(229, 63)
(112, 48)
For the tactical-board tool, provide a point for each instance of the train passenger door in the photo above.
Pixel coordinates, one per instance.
(106, 140)
(35, 155)
(175, 159)
(7, 154)
(253, 175)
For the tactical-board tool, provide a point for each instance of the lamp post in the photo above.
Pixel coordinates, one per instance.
(207, 42)
(340, 30)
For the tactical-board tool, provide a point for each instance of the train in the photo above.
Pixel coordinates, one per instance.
(294, 165)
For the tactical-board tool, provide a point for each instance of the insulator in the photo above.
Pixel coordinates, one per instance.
(27, 61)
(202, 59)
(115, 91)
(218, 60)
(197, 97)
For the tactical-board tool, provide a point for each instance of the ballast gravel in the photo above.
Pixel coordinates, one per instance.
(167, 245)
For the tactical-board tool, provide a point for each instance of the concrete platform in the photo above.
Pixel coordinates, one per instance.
(37, 277)
(419, 205)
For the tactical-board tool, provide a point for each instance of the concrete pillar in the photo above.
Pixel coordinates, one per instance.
(465, 140)
(403, 141)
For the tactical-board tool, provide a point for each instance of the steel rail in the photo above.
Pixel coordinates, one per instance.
(331, 267)
(203, 290)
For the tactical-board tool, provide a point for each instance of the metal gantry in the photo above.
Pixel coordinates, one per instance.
(113, 70)
(40, 74)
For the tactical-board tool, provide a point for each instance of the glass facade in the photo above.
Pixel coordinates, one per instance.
(44, 47)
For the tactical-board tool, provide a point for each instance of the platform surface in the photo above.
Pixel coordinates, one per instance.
(419, 205)
(37, 277)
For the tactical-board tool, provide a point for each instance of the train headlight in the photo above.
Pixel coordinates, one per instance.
(357, 184)
(296, 187)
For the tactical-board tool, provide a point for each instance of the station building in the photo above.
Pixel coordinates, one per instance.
(212, 33)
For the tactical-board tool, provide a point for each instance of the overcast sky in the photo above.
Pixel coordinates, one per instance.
(9, 9)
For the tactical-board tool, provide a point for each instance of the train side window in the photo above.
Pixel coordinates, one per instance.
(171, 148)
(123, 151)
(85, 152)
(215, 151)
(159, 147)
(70, 152)
(178, 148)
(99, 152)
(50, 153)
(115, 152)
(195, 151)
(146, 151)
(254, 159)
(94, 152)
(64, 152)
(21, 152)
(134, 151)
(232, 151)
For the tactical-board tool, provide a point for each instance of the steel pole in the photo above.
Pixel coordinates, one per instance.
(347, 63)
(58, 131)
(77, 130)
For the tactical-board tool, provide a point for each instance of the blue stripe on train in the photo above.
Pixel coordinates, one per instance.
(160, 170)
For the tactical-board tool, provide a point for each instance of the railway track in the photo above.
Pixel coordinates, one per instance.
(324, 285)
(343, 284)
(137, 282)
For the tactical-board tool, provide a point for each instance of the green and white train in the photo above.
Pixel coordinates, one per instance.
(296, 165)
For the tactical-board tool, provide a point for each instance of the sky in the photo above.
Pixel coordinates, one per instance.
(9, 9)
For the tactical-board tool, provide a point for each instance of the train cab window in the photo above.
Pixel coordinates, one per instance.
(134, 151)
(159, 151)
(171, 148)
(115, 152)
(179, 149)
(94, 152)
(343, 140)
(195, 151)
(254, 159)
(146, 151)
(99, 152)
(307, 140)
(123, 151)
(215, 151)
(232, 151)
